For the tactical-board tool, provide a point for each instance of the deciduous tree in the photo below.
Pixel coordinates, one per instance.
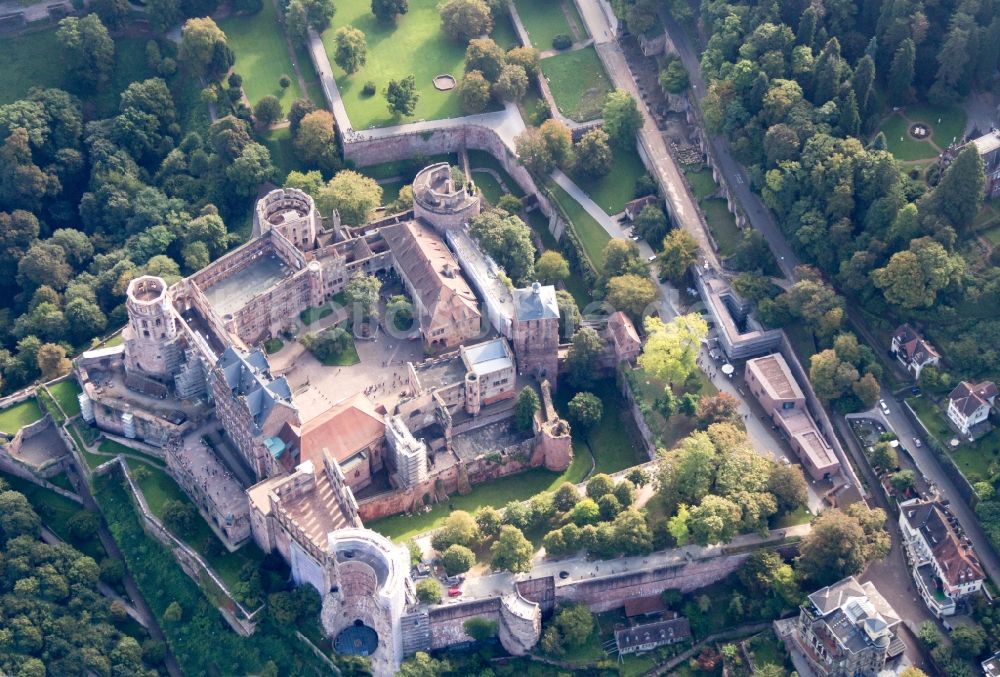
(524, 411)
(680, 252)
(671, 349)
(463, 20)
(388, 10)
(350, 49)
(353, 195)
(512, 551)
(402, 96)
(584, 356)
(474, 92)
(457, 559)
(593, 154)
(87, 50)
(621, 117)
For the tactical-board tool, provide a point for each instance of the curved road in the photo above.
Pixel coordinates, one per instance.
(761, 219)
(759, 216)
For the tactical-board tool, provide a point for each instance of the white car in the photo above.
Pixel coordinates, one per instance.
(885, 407)
(917, 442)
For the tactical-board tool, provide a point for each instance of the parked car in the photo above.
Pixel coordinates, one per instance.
(885, 407)
(917, 442)
(455, 591)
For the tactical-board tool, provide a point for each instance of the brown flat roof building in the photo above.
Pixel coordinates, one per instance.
(772, 383)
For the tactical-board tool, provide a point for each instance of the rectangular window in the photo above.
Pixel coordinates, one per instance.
(787, 405)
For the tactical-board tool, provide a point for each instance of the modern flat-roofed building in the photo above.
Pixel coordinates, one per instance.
(774, 386)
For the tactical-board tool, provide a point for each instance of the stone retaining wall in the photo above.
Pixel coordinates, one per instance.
(610, 592)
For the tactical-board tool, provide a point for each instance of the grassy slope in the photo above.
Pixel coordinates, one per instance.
(543, 20)
(261, 55)
(578, 83)
(591, 233)
(65, 393)
(617, 187)
(723, 225)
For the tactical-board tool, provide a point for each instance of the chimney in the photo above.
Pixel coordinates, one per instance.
(536, 287)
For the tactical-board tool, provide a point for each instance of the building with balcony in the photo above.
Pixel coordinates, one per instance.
(944, 565)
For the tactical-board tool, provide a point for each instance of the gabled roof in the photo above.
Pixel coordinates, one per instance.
(912, 347)
(969, 397)
(956, 561)
(248, 377)
(425, 260)
(623, 330)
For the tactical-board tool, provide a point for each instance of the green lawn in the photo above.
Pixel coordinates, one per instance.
(414, 46)
(723, 225)
(591, 233)
(65, 393)
(947, 122)
(544, 20)
(617, 187)
(258, 42)
(488, 186)
(901, 145)
(800, 515)
(345, 359)
(613, 448)
(932, 418)
(30, 60)
(519, 487)
(503, 33)
(310, 315)
(480, 159)
(273, 345)
(283, 154)
(15, 417)
(702, 183)
(578, 83)
(390, 191)
(114, 448)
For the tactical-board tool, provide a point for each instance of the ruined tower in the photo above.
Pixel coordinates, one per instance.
(150, 336)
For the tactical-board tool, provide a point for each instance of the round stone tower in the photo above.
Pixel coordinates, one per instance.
(369, 590)
(473, 399)
(150, 335)
(292, 213)
(439, 202)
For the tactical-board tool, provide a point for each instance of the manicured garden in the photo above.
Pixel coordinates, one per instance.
(947, 123)
(16, 416)
(415, 45)
(65, 393)
(591, 233)
(545, 20)
(578, 83)
(901, 144)
(258, 41)
(617, 187)
(973, 459)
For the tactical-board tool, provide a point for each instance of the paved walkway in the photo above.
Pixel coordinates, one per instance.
(682, 205)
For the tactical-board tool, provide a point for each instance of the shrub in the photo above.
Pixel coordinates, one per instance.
(369, 88)
(284, 82)
(457, 559)
(429, 591)
(562, 41)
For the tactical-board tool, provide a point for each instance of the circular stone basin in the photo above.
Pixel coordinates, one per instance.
(444, 82)
(919, 131)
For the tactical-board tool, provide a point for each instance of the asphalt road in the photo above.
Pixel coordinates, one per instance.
(928, 465)
(759, 216)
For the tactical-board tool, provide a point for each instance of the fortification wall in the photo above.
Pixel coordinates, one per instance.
(364, 151)
(610, 592)
(448, 622)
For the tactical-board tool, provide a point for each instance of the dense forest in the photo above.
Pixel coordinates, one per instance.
(52, 616)
(92, 195)
(800, 89)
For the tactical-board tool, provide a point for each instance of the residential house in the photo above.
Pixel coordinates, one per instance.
(634, 207)
(991, 666)
(844, 630)
(944, 565)
(969, 404)
(649, 636)
(912, 351)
